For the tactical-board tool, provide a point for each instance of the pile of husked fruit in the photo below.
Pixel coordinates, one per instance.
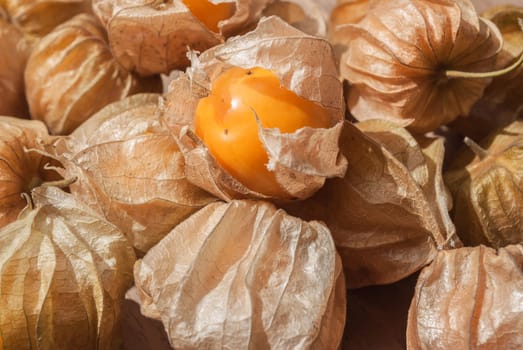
(255, 174)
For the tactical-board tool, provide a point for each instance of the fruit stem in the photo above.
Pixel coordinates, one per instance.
(493, 74)
(477, 149)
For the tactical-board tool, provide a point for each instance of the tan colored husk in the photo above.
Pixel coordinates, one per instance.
(152, 37)
(39, 17)
(20, 168)
(71, 74)
(309, 16)
(130, 170)
(488, 189)
(14, 51)
(244, 275)
(389, 214)
(398, 71)
(502, 102)
(301, 160)
(469, 298)
(63, 275)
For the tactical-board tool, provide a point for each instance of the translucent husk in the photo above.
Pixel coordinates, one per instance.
(399, 72)
(21, 169)
(63, 275)
(469, 298)
(130, 170)
(39, 17)
(389, 214)
(71, 74)
(245, 275)
(152, 37)
(301, 160)
(487, 189)
(14, 51)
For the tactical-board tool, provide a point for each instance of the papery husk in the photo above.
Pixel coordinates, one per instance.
(244, 275)
(389, 214)
(20, 168)
(469, 298)
(154, 37)
(14, 51)
(130, 170)
(488, 190)
(71, 74)
(301, 160)
(484, 5)
(309, 16)
(39, 17)
(63, 275)
(502, 102)
(398, 71)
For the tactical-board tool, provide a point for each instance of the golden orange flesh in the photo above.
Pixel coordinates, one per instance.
(210, 14)
(226, 122)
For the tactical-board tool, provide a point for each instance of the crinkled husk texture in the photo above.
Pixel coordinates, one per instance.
(301, 160)
(389, 214)
(21, 168)
(488, 192)
(309, 16)
(396, 71)
(14, 51)
(63, 275)
(469, 298)
(130, 170)
(152, 37)
(244, 275)
(71, 74)
(39, 17)
(502, 102)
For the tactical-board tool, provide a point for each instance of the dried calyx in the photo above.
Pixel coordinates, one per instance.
(486, 183)
(420, 73)
(301, 158)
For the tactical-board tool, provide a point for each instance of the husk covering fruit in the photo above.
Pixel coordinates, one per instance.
(469, 298)
(21, 169)
(301, 161)
(130, 170)
(487, 190)
(14, 51)
(389, 214)
(63, 274)
(152, 37)
(399, 72)
(244, 274)
(71, 74)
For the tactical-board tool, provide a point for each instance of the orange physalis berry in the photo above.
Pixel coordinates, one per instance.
(226, 122)
(210, 14)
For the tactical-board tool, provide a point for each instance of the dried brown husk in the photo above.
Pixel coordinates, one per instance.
(389, 214)
(469, 298)
(301, 160)
(21, 169)
(502, 102)
(488, 190)
(71, 74)
(244, 275)
(39, 17)
(14, 51)
(130, 170)
(398, 71)
(309, 16)
(63, 275)
(152, 37)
